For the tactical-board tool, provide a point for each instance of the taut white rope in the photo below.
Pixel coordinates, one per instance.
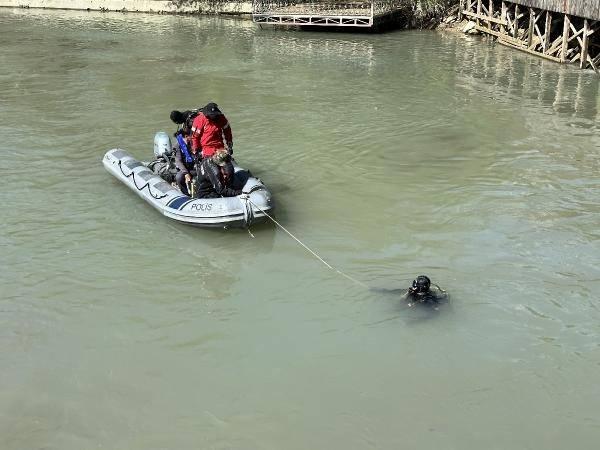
(306, 247)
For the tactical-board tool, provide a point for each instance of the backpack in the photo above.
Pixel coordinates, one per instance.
(190, 115)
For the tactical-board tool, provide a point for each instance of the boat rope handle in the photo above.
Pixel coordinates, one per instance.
(132, 175)
(304, 245)
(247, 209)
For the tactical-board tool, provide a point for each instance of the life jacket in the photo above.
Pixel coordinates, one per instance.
(184, 148)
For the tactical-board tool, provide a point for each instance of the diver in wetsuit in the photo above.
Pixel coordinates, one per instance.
(215, 176)
(421, 293)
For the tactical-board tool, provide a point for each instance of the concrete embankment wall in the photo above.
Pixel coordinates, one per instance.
(150, 6)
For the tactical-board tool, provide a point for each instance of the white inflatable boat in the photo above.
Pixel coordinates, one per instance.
(225, 212)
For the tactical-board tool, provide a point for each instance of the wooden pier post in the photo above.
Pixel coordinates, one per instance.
(565, 39)
(503, 18)
(531, 25)
(516, 23)
(547, 31)
(584, 44)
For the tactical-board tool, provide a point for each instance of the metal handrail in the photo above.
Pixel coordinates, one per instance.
(333, 7)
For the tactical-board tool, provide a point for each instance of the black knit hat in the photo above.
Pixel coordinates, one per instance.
(177, 117)
(211, 111)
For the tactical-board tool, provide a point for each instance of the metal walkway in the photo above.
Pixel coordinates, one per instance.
(324, 12)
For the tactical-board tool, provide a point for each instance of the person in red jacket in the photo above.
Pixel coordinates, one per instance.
(211, 131)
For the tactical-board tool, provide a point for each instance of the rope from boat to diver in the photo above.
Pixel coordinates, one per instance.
(147, 185)
(246, 197)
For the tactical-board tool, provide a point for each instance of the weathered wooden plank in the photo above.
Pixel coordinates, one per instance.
(584, 44)
(537, 31)
(565, 38)
(547, 30)
(556, 46)
(581, 8)
(486, 18)
(595, 63)
(514, 43)
(532, 19)
(503, 18)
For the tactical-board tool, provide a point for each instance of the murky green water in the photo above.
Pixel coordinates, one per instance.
(390, 155)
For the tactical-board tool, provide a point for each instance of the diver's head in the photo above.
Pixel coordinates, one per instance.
(420, 285)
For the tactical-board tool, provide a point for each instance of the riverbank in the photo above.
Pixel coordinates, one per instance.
(418, 14)
(145, 6)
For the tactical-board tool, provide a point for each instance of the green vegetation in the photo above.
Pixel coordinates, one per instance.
(428, 13)
(212, 6)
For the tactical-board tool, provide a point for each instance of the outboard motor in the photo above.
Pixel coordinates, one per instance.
(162, 145)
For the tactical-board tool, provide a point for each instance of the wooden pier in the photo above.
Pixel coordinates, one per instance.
(483, 71)
(338, 13)
(566, 31)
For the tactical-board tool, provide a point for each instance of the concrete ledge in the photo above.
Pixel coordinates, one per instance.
(148, 6)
